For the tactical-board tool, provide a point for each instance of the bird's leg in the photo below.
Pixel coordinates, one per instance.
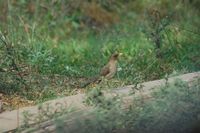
(107, 82)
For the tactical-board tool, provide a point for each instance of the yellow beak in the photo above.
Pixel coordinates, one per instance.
(120, 54)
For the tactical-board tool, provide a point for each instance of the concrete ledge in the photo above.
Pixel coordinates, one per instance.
(14, 119)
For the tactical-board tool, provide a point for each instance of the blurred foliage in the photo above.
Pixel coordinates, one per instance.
(172, 108)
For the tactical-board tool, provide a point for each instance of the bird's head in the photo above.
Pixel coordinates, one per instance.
(115, 56)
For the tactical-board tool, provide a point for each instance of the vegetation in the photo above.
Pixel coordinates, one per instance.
(170, 108)
(48, 48)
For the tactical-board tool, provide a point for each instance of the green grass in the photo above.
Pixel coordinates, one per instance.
(56, 44)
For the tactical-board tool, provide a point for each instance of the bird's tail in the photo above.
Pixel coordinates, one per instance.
(90, 81)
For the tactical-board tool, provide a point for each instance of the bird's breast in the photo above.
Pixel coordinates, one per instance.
(113, 67)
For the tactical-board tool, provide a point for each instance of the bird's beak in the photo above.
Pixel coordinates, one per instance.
(120, 54)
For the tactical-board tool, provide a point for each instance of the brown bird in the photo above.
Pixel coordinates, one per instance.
(108, 71)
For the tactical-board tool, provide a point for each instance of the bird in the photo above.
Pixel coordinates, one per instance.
(108, 71)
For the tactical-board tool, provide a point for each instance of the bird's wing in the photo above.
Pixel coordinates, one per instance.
(105, 70)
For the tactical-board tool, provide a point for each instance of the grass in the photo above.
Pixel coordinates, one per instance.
(56, 53)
